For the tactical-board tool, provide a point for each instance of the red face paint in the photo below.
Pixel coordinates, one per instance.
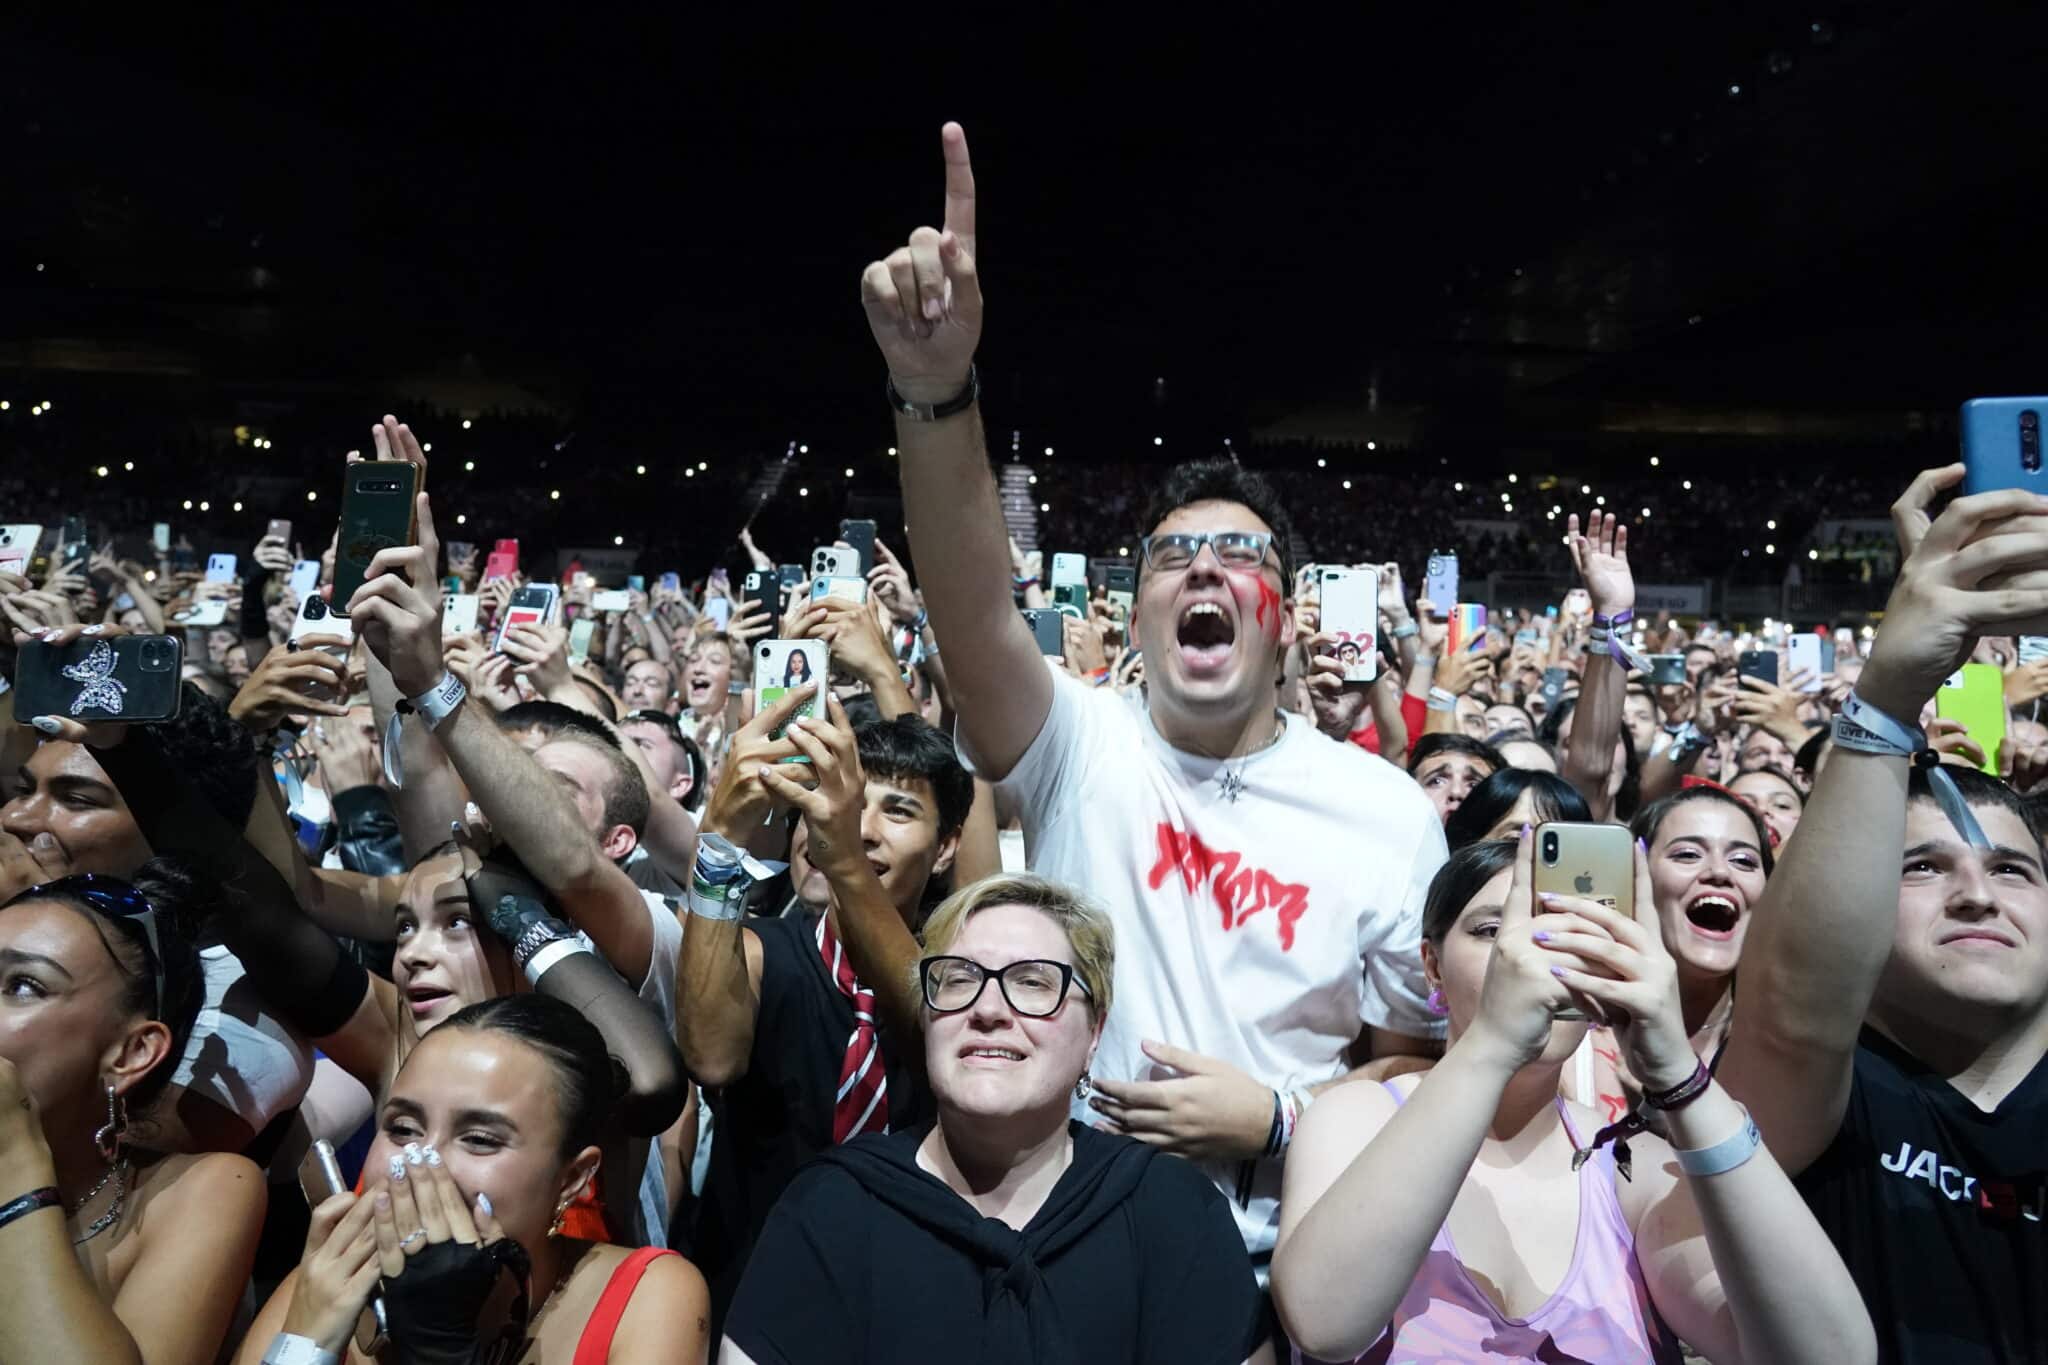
(1269, 600)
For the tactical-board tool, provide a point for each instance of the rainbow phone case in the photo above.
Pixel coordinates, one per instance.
(1468, 627)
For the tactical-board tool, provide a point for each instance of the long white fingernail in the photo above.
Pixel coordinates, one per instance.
(483, 1202)
(49, 725)
(397, 1167)
(433, 1156)
(413, 1155)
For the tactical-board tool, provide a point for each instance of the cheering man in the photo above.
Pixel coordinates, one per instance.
(1266, 882)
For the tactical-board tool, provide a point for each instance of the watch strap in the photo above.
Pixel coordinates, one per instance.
(933, 412)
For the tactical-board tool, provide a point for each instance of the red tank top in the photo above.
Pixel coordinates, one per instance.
(594, 1347)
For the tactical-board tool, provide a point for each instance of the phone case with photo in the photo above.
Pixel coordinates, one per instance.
(776, 673)
(1350, 613)
(130, 678)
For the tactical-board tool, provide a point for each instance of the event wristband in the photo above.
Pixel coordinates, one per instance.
(920, 621)
(932, 412)
(1867, 730)
(1441, 699)
(289, 1348)
(548, 955)
(438, 702)
(1725, 1155)
(1405, 632)
(720, 880)
(44, 1198)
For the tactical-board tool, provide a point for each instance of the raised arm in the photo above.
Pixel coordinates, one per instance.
(1601, 556)
(718, 985)
(924, 306)
(523, 802)
(1820, 937)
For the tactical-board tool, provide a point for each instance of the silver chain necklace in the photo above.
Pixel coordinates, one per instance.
(118, 1173)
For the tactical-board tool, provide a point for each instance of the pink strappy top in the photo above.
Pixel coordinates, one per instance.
(1600, 1314)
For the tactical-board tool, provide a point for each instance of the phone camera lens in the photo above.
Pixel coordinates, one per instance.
(2029, 420)
(1550, 849)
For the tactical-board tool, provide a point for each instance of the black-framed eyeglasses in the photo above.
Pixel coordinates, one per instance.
(115, 899)
(1034, 988)
(1234, 549)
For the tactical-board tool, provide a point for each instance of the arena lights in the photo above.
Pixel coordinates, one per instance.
(1514, 478)
(4, 405)
(465, 424)
(1322, 463)
(462, 518)
(639, 469)
(1124, 551)
(1505, 498)
(803, 450)
(1646, 512)
(1372, 445)
(312, 497)
(1585, 488)
(426, 447)
(1813, 554)
(1034, 481)
(47, 405)
(554, 495)
(1048, 450)
(1770, 549)
(1347, 485)
(1551, 515)
(689, 473)
(849, 472)
(618, 540)
(1653, 462)
(129, 466)
(1509, 508)
(703, 464)
(1600, 501)
(1158, 440)
(1457, 487)
(1045, 507)
(206, 507)
(1771, 525)
(892, 450)
(1687, 485)
(188, 504)
(238, 507)
(101, 471)
(469, 466)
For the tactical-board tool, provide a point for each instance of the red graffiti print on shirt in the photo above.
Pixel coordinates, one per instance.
(1240, 891)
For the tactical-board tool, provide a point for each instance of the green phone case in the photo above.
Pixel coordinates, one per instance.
(1979, 703)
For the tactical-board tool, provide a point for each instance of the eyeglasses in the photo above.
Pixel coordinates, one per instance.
(1034, 988)
(115, 899)
(1234, 549)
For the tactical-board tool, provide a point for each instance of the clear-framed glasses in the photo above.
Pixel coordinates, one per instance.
(115, 899)
(1035, 988)
(1234, 549)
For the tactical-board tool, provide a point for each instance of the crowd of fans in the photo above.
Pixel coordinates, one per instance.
(490, 962)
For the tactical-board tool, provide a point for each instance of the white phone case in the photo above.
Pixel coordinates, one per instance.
(1803, 651)
(458, 614)
(1350, 612)
(828, 561)
(18, 545)
(774, 675)
(220, 568)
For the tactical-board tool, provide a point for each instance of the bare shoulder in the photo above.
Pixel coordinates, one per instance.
(208, 1184)
(669, 1315)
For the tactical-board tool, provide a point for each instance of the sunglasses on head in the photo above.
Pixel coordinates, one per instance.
(115, 899)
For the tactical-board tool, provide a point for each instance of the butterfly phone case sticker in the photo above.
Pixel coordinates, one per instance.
(129, 678)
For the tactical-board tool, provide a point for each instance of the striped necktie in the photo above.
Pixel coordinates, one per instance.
(862, 1102)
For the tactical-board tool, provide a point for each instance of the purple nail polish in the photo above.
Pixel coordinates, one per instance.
(1557, 971)
(1539, 937)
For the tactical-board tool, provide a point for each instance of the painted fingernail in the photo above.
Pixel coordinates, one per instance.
(932, 309)
(414, 1155)
(1546, 896)
(1525, 831)
(1557, 971)
(1539, 937)
(49, 725)
(433, 1156)
(397, 1167)
(92, 630)
(483, 1203)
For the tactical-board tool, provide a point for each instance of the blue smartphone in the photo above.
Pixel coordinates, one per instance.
(2002, 444)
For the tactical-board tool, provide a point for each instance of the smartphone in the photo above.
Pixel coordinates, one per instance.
(1069, 586)
(376, 514)
(1593, 862)
(612, 599)
(579, 638)
(1351, 613)
(829, 561)
(458, 614)
(766, 587)
(1667, 670)
(719, 610)
(1803, 650)
(212, 612)
(852, 588)
(131, 678)
(459, 550)
(279, 529)
(315, 617)
(320, 1180)
(780, 665)
(220, 568)
(1467, 627)
(502, 563)
(1048, 628)
(1974, 695)
(2002, 444)
(671, 583)
(1552, 686)
(160, 537)
(75, 545)
(1440, 581)
(636, 582)
(790, 574)
(18, 546)
(860, 535)
(1122, 582)
(530, 606)
(305, 578)
(1758, 663)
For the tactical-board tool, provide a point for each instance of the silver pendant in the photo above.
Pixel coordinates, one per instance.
(1232, 783)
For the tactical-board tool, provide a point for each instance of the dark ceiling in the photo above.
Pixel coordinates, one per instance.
(1556, 214)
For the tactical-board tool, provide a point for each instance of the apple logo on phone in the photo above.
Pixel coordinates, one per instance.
(1584, 883)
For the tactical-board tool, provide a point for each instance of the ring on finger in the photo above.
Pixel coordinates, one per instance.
(405, 1242)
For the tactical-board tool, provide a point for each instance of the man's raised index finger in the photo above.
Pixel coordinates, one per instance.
(959, 185)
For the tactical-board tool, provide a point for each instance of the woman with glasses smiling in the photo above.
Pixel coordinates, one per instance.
(1004, 1231)
(108, 1252)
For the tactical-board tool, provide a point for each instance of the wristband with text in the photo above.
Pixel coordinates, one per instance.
(933, 412)
(289, 1348)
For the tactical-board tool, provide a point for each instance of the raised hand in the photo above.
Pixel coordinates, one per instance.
(890, 585)
(923, 300)
(291, 682)
(1601, 557)
(1521, 995)
(542, 652)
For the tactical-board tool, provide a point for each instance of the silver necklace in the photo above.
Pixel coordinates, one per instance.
(1231, 780)
(118, 1173)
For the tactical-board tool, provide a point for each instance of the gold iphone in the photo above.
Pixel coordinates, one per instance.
(1592, 862)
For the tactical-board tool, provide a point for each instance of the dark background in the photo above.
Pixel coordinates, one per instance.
(1757, 237)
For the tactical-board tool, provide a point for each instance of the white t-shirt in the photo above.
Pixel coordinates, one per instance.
(241, 1055)
(658, 992)
(1268, 931)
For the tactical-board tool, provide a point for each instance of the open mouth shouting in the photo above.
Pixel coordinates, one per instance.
(1205, 634)
(425, 1000)
(1714, 916)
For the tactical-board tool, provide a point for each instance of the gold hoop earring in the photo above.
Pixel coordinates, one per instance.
(561, 1216)
(108, 1138)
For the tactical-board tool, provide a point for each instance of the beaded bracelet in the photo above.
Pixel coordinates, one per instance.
(1685, 1092)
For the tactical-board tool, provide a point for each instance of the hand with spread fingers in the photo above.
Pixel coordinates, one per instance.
(889, 582)
(541, 651)
(832, 801)
(923, 300)
(290, 683)
(1208, 1109)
